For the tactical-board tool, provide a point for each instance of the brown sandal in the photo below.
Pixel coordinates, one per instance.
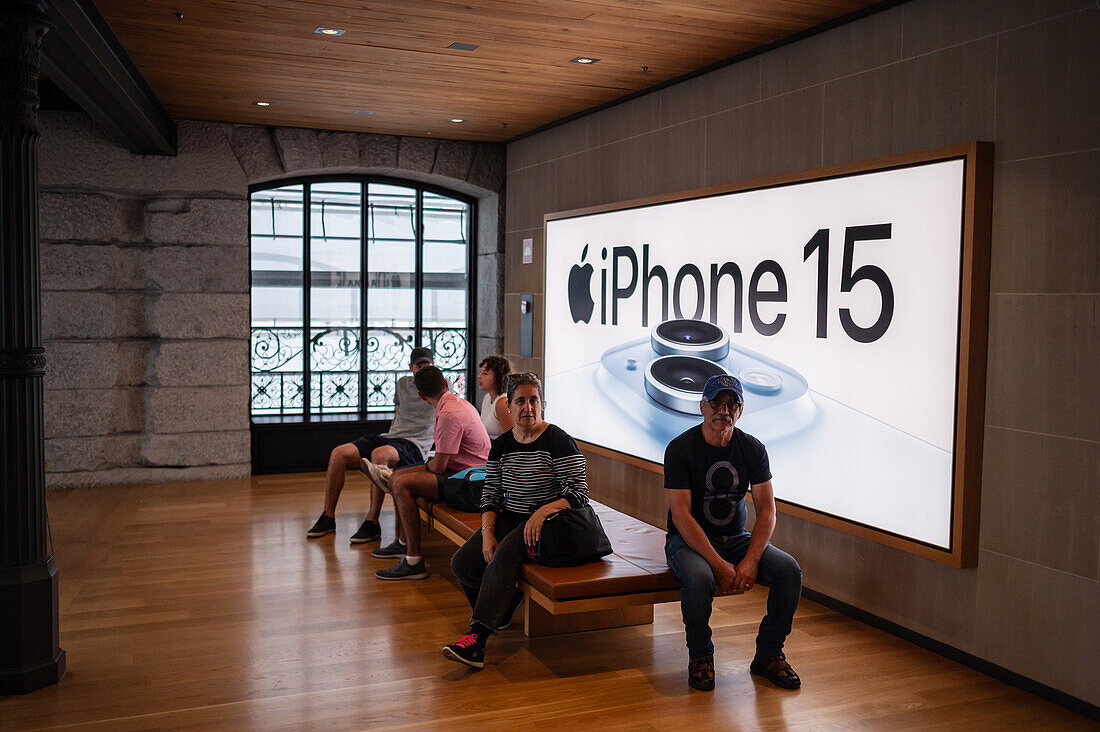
(776, 670)
(701, 673)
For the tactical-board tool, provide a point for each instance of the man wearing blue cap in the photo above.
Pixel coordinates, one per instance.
(708, 470)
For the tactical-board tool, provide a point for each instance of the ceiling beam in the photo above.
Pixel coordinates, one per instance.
(84, 58)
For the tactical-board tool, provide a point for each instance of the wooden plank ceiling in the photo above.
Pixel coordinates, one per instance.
(393, 60)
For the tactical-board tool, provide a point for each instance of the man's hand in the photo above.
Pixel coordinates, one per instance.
(438, 463)
(746, 575)
(725, 579)
(488, 544)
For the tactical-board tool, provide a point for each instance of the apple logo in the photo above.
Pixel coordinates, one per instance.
(580, 290)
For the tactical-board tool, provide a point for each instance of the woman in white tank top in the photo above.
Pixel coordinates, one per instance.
(492, 379)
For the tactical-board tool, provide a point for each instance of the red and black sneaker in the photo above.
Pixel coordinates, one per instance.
(468, 650)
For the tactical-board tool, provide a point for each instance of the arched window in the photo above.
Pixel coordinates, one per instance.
(340, 297)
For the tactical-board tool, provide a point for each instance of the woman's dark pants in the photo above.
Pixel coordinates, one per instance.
(491, 589)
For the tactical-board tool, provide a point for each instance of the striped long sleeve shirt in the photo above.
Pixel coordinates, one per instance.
(521, 477)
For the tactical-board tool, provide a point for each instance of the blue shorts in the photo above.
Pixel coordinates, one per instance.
(407, 452)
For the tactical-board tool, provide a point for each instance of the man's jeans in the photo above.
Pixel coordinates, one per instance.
(777, 571)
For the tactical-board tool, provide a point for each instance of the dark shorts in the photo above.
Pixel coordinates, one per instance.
(440, 479)
(407, 452)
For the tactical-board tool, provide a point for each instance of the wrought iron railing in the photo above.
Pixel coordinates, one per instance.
(335, 355)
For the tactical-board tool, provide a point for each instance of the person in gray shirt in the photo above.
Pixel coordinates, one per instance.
(407, 443)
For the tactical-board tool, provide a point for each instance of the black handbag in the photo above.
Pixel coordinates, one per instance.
(572, 536)
(462, 491)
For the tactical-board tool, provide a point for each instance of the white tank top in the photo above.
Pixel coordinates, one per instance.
(489, 416)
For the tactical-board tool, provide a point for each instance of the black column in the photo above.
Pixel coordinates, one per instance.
(29, 654)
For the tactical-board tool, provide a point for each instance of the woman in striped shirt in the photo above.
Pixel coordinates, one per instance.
(534, 470)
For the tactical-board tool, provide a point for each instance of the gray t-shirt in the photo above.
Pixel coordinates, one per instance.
(414, 417)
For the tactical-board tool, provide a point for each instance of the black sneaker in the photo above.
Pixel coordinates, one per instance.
(404, 571)
(396, 549)
(776, 670)
(466, 650)
(368, 532)
(701, 673)
(325, 525)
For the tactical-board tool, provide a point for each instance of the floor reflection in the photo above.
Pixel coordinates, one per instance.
(203, 605)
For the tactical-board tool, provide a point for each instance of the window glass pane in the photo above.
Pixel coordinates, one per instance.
(444, 308)
(390, 306)
(388, 350)
(391, 290)
(446, 228)
(445, 333)
(276, 347)
(335, 266)
(391, 320)
(446, 251)
(391, 228)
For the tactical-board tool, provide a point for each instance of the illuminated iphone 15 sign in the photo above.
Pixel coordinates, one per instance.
(835, 301)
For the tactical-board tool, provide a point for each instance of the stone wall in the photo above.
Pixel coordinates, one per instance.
(145, 279)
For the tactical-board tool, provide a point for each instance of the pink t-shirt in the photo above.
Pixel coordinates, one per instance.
(460, 433)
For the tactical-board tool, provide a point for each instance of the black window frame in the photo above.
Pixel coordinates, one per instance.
(362, 416)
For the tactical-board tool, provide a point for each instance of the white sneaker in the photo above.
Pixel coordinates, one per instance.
(378, 474)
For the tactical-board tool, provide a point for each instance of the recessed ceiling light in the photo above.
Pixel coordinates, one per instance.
(363, 111)
(463, 46)
(330, 31)
(262, 104)
(583, 60)
(457, 120)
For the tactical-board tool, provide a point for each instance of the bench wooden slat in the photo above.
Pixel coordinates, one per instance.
(637, 566)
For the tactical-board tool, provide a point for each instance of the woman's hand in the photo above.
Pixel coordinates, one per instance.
(488, 544)
(533, 528)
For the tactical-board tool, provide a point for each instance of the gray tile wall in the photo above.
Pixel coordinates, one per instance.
(924, 74)
(145, 278)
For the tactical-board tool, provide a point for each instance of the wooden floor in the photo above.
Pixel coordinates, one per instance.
(201, 605)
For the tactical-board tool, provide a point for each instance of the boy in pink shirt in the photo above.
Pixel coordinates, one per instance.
(460, 442)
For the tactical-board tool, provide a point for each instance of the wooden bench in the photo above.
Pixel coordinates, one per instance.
(618, 590)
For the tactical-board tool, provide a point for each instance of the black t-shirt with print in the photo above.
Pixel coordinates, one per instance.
(718, 478)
